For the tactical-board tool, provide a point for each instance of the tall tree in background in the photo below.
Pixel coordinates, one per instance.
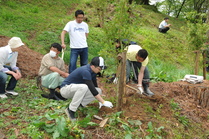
(180, 8)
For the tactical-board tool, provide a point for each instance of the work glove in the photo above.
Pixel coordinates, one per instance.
(141, 90)
(115, 81)
(106, 104)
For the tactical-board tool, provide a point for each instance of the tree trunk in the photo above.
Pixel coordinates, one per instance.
(180, 8)
(198, 92)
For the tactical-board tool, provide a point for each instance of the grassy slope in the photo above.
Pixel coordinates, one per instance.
(39, 23)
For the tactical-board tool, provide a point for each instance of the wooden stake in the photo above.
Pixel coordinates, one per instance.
(98, 117)
(132, 88)
(196, 62)
(121, 81)
(204, 64)
(103, 122)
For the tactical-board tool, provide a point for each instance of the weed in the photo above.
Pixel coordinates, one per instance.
(174, 105)
(153, 132)
(181, 118)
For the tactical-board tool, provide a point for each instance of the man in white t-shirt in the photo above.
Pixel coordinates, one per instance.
(164, 26)
(78, 32)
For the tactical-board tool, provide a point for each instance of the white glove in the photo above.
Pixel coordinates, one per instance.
(106, 104)
(115, 81)
(141, 90)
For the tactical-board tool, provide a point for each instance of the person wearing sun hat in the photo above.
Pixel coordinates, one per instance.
(8, 60)
(81, 86)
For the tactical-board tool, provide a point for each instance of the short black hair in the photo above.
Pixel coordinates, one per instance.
(166, 18)
(56, 45)
(79, 12)
(142, 53)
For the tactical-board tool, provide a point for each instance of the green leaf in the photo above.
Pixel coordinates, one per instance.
(135, 122)
(92, 124)
(160, 128)
(84, 122)
(48, 117)
(61, 126)
(38, 124)
(128, 136)
(56, 134)
(50, 129)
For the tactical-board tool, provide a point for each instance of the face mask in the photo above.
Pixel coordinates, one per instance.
(52, 53)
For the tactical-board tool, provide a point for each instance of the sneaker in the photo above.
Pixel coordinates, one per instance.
(11, 92)
(70, 114)
(3, 96)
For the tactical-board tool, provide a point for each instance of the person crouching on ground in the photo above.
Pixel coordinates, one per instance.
(8, 55)
(52, 71)
(164, 26)
(81, 86)
(137, 59)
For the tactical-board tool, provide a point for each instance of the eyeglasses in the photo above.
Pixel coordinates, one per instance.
(79, 17)
(98, 68)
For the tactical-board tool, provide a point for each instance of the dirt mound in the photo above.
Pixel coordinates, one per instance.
(187, 95)
(28, 60)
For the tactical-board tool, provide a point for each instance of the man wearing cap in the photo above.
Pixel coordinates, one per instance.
(52, 71)
(8, 60)
(81, 86)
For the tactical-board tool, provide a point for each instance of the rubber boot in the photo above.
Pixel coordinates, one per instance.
(145, 84)
(51, 95)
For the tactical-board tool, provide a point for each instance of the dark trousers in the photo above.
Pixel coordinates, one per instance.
(164, 30)
(135, 67)
(74, 53)
(3, 78)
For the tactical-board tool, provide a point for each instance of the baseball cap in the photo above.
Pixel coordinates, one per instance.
(99, 62)
(15, 42)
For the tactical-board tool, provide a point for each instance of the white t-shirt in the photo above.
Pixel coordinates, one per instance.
(163, 24)
(77, 34)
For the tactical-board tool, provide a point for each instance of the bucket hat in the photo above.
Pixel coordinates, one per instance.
(15, 42)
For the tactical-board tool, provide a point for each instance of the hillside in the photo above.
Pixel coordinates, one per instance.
(39, 25)
(178, 109)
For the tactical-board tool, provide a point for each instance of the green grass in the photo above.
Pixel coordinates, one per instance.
(39, 24)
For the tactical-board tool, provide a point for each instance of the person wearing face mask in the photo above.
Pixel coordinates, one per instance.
(78, 32)
(8, 60)
(52, 71)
